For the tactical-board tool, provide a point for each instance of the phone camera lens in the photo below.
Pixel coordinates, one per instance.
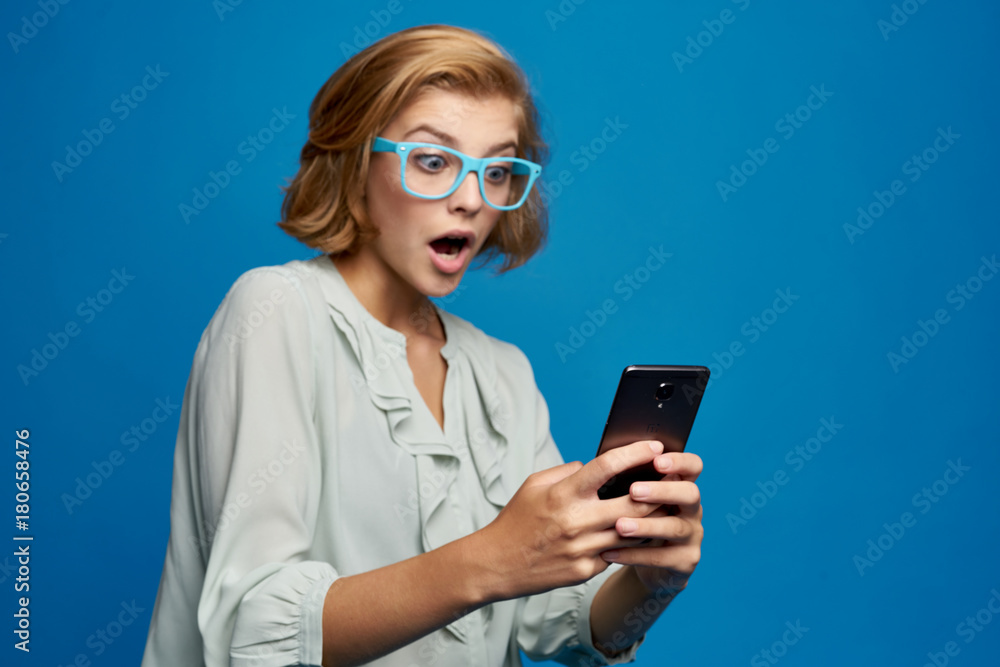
(664, 391)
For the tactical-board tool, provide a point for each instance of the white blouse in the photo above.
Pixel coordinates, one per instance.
(306, 453)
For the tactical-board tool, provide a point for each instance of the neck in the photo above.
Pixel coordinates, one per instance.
(390, 299)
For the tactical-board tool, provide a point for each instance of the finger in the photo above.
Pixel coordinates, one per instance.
(689, 512)
(685, 464)
(597, 472)
(610, 539)
(555, 474)
(593, 516)
(681, 493)
(591, 545)
(670, 528)
(606, 540)
(681, 559)
(627, 506)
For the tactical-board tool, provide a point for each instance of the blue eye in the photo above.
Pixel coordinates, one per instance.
(497, 173)
(431, 161)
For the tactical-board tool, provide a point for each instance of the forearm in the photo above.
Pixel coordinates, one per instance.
(368, 615)
(624, 609)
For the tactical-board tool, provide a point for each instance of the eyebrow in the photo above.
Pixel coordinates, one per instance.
(450, 141)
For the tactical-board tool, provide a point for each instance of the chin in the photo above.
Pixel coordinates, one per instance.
(439, 286)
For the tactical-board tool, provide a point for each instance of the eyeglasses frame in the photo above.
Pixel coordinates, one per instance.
(469, 163)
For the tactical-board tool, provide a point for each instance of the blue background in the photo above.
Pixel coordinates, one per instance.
(682, 124)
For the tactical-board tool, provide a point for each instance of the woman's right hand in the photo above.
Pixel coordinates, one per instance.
(554, 529)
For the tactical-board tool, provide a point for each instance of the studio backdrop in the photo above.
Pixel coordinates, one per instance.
(799, 195)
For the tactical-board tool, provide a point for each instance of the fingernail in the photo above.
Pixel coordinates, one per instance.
(610, 555)
(657, 447)
(628, 526)
(640, 490)
(664, 463)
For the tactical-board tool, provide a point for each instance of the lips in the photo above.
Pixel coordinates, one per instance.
(449, 251)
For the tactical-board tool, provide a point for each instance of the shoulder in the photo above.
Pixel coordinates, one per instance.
(273, 283)
(277, 298)
(264, 288)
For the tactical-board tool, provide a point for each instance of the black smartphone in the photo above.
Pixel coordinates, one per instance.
(652, 403)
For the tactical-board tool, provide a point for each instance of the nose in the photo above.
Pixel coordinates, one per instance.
(466, 197)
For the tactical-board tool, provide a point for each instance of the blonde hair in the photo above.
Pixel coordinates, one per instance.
(324, 204)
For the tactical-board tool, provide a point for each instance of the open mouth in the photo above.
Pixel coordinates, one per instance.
(449, 246)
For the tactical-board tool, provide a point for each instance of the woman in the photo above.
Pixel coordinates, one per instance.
(361, 476)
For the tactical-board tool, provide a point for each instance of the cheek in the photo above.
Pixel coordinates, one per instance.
(398, 218)
(383, 183)
(388, 204)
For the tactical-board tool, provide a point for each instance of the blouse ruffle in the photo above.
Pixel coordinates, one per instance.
(378, 349)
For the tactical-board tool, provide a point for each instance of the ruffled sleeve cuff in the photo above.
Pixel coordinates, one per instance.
(280, 620)
(556, 626)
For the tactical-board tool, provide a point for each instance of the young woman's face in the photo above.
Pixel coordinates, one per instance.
(411, 244)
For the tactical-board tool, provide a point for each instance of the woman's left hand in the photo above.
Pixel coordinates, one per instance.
(671, 557)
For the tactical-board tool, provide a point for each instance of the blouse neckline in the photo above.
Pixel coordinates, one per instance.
(385, 332)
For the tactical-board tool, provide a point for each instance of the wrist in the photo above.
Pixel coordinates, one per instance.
(658, 582)
(481, 579)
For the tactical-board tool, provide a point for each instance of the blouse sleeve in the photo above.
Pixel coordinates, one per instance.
(254, 458)
(556, 625)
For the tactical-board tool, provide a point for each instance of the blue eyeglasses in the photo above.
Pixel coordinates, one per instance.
(432, 171)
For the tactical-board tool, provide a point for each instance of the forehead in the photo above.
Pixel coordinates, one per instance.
(468, 118)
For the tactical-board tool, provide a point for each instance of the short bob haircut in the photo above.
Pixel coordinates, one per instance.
(324, 204)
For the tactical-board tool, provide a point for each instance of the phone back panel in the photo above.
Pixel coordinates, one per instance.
(638, 412)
